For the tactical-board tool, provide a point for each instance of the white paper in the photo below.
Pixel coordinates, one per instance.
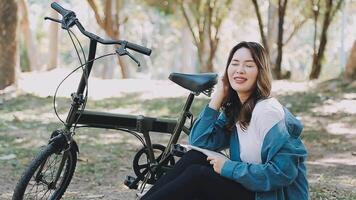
(207, 152)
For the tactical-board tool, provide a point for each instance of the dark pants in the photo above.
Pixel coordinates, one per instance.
(194, 178)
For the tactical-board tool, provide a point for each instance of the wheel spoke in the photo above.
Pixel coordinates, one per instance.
(41, 184)
(143, 166)
(144, 171)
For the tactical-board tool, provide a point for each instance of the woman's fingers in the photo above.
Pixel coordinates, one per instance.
(211, 160)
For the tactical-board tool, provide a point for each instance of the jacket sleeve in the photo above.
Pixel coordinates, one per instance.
(208, 131)
(280, 171)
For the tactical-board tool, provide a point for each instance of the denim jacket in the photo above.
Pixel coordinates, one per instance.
(282, 173)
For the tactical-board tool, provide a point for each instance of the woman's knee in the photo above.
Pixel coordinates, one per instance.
(199, 172)
(194, 156)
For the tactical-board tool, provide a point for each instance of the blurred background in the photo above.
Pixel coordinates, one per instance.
(306, 39)
(312, 45)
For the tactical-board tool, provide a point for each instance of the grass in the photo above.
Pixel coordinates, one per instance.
(321, 193)
(104, 154)
(168, 107)
(10, 145)
(105, 161)
(31, 102)
(300, 102)
(327, 142)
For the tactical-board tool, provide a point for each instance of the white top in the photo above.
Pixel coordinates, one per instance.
(265, 115)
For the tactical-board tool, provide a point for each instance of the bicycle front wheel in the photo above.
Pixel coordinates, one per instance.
(39, 179)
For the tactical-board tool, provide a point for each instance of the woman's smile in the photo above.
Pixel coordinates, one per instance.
(240, 80)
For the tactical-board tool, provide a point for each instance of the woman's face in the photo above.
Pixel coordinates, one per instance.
(242, 72)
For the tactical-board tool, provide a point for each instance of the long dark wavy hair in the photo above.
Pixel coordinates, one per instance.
(232, 106)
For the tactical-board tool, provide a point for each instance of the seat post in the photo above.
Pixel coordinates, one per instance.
(181, 121)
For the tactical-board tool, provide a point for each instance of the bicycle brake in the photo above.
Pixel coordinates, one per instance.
(122, 52)
(52, 19)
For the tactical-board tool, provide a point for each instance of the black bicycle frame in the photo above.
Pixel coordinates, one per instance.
(129, 123)
(136, 123)
(77, 97)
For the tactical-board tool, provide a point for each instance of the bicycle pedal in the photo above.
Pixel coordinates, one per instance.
(131, 182)
(178, 150)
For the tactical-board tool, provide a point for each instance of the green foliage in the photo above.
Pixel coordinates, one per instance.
(167, 7)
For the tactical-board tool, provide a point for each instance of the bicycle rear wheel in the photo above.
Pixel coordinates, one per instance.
(37, 181)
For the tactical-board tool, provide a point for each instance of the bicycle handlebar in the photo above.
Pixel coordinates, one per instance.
(69, 19)
(60, 9)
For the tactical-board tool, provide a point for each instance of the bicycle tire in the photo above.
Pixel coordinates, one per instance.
(44, 158)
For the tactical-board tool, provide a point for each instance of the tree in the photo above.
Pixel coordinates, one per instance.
(270, 38)
(282, 6)
(109, 20)
(8, 42)
(53, 42)
(330, 7)
(204, 18)
(261, 25)
(350, 70)
(27, 34)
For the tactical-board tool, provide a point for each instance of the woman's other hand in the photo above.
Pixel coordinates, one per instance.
(217, 162)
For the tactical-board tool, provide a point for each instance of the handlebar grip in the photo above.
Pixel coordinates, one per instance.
(139, 48)
(59, 9)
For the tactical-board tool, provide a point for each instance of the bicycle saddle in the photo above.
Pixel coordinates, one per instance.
(195, 82)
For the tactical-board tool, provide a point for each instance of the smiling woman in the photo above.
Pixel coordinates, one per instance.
(266, 153)
(248, 74)
(242, 73)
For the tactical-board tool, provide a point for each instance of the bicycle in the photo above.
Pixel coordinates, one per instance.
(50, 172)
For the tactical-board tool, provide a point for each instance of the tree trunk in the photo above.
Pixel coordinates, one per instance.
(316, 68)
(204, 21)
(209, 65)
(282, 6)
(350, 70)
(53, 42)
(187, 53)
(27, 33)
(260, 25)
(319, 56)
(8, 43)
(273, 41)
(125, 72)
(107, 71)
(272, 31)
(111, 23)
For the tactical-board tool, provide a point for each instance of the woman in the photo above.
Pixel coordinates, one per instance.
(266, 153)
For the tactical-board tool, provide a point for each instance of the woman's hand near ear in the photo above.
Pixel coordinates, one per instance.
(220, 93)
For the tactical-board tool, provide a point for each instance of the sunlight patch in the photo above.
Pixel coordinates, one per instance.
(340, 128)
(333, 106)
(336, 159)
(285, 86)
(350, 95)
